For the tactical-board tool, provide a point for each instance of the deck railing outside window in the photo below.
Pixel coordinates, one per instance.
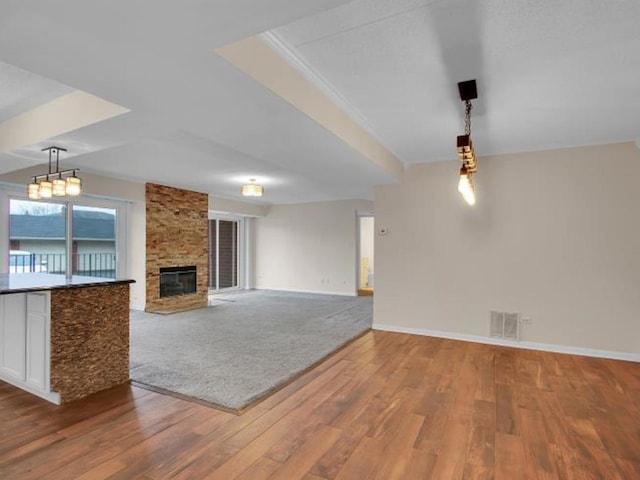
(87, 264)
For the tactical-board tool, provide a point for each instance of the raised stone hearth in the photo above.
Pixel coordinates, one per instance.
(177, 235)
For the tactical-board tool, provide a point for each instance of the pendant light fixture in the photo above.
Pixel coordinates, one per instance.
(46, 188)
(252, 189)
(73, 185)
(56, 183)
(465, 186)
(468, 91)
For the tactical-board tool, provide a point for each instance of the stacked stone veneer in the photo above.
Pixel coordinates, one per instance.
(89, 340)
(177, 235)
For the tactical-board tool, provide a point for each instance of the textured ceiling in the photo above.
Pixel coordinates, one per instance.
(550, 74)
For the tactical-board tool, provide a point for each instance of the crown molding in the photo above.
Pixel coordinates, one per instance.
(289, 53)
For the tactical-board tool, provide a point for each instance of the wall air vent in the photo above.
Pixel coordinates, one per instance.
(511, 324)
(504, 325)
(497, 324)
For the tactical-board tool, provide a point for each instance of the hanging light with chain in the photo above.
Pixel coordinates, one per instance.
(466, 153)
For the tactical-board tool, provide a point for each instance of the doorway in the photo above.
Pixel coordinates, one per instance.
(366, 229)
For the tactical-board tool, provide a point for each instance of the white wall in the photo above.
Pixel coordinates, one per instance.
(308, 247)
(555, 235)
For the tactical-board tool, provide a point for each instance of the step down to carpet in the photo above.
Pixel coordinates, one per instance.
(235, 353)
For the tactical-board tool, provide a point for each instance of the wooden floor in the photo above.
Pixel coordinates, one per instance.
(387, 406)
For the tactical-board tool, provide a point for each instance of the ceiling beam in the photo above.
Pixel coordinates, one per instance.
(61, 115)
(262, 63)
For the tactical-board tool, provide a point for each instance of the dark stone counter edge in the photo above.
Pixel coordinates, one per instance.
(42, 282)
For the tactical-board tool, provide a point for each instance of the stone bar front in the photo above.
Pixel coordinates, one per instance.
(63, 339)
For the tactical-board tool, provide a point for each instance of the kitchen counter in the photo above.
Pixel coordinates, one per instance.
(33, 282)
(63, 338)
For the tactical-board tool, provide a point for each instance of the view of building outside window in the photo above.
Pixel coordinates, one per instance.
(38, 237)
(94, 241)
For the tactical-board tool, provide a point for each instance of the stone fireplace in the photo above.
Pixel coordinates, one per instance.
(177, 249)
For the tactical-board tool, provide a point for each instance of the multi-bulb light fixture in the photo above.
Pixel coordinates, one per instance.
(58, 183)
(468, 91)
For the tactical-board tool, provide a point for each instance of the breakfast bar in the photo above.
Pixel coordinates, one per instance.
(63, 338)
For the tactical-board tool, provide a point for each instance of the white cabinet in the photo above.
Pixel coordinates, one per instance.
(13, 311)
(37, 341)
(25, 342)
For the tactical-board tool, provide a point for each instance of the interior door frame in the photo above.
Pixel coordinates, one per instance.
(359, 216)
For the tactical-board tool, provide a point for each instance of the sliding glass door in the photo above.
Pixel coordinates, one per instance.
(224, 258)
(62, 237)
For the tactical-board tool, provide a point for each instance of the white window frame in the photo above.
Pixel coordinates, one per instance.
(8, 192)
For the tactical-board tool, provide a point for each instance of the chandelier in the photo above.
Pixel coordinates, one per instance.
(468, 92)
(56, 183)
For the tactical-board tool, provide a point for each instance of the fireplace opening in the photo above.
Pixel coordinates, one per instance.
(177, 281)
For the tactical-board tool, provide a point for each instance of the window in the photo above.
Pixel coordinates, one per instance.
(93, 247)
(38, 237)
(65, 237)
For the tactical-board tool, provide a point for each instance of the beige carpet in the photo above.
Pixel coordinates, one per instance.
(245, 345)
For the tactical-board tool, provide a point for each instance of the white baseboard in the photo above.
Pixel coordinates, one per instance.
(52, 397)
(545, 347)
(319, 292)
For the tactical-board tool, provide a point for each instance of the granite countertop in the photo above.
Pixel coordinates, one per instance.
(33, 282)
